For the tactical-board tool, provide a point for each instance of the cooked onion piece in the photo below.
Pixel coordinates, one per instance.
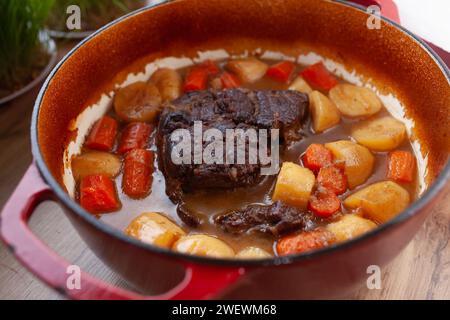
(168, 82)
(139, 102)
(248, 70)
(353, 101)
(95, 163)
(350, 226)
(253, 253)
(203, 245)
(382, 134)
(299, 84)
(358, 160)
(325, 115)
(380, 201)
(155, 229)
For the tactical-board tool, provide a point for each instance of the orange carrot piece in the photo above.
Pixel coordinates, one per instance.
(333, 179)
(229, 80)
(305, 241)
(401, 166)
(134, 136)
(137, 173)
(196, 79)
(211, 67)
(98, 194)
(281, 71)
(324, 203)
(102, 135)
(316, 157)
(319, 77)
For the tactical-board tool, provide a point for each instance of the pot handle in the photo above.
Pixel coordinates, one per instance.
(200, 282)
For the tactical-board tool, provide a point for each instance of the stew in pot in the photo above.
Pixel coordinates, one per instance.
(345, 164)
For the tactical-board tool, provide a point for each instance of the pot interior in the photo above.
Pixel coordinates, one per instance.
(410, 81)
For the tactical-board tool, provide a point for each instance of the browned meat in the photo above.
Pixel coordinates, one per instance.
(284, 109)
(191, 177)
(275, 219)
(222, 110)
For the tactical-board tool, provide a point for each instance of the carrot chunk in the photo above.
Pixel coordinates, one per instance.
(305, 241)
(324, 203)
(98, 194)
(134, 136)
(316, 157)
(211, 67)
(137, 174)
(196, 79)
(319, 77)
(333, 179)
(281, 71)
(229, 80)
(102, 135)
(401, 166)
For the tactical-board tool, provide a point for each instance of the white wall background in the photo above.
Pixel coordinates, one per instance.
(429, 19)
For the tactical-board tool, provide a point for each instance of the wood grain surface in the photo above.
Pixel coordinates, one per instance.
(421, 271)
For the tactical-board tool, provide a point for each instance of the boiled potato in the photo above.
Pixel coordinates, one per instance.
(380, 201)
(350, 226)
(248, 70)
(383, 134)
(253, 253)
(156, 229)
(324, 113)
(353, 101)
(140, 102)
(294, 185)
(300, 85)
(203, 245)
(358, 160)
(95, 162)
(168, 82)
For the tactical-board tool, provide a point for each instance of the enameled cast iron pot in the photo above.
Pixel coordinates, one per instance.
(401, 62)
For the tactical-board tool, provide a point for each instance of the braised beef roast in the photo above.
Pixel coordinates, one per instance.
(275, 219)
(222, 110)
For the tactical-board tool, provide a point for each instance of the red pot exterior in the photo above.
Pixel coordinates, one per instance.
(292, 26)
(331, 275)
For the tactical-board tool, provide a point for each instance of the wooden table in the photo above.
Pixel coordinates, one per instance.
(421, 271)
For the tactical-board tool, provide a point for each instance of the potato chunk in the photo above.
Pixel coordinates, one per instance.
(324, 113)
(95, 163)
(353, 101)
(358, 160)
(168, 82)
(383, 134)
(253, 253)
(203, 245)
(294, 185)
(380, 201)
(350, 226)
(299, 84)
(248, 70)
(156, 229)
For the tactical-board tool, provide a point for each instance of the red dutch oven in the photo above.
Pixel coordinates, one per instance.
(391, 55)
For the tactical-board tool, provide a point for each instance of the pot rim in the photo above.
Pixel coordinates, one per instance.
(413, 209)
